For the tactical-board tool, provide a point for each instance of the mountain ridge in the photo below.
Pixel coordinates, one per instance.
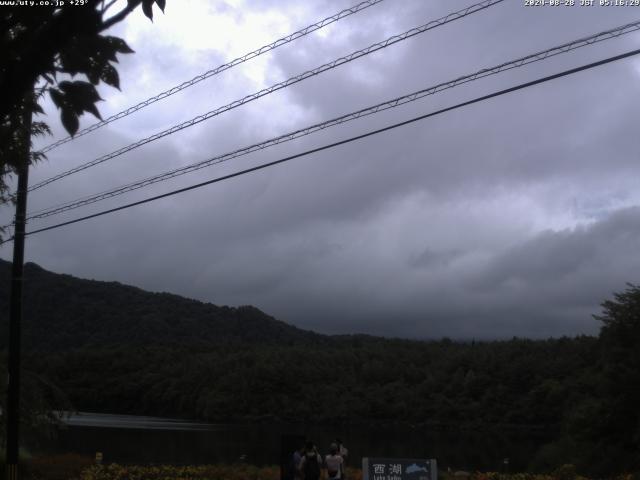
(62, 311)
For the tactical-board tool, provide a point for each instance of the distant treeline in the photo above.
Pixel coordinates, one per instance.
(518, 382)
(118, 349)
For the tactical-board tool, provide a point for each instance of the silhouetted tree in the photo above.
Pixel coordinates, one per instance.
(40, 43)
(620, 373)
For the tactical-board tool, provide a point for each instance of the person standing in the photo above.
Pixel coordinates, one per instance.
(295, 460)
(311, 463)
(344, 453)
(334, 463)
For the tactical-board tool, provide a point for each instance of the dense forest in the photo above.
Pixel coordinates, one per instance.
(108, 347)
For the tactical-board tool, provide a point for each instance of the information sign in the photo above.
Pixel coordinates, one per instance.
(399, 469)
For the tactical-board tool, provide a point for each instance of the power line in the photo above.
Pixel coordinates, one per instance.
(526, 60)
(219, 69)
(278, 86)
(342, 142)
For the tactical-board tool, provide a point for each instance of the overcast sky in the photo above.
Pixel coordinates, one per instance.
(514, 216)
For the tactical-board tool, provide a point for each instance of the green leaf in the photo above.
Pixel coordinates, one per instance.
(104, 50)
(110, 76)
(37, 157)
(74, 59)
(147, 8)
(80, 92)
(119, 44)
(94, 76)
(94, 110)
(70, 121)
(80, 97)
(57, 97)
(40, 129)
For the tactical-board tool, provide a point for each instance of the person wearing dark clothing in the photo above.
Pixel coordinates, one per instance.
(311, 463)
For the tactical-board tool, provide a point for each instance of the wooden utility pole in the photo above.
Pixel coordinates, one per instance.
(15, 305)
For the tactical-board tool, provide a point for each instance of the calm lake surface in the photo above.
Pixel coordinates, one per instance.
(148, 440)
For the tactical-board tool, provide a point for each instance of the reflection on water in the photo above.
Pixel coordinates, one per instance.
(83, 419)
(146, 440)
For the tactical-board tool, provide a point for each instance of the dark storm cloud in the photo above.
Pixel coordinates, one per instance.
(512, 217)
(563, 257)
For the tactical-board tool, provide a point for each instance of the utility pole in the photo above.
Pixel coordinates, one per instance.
(15, 305)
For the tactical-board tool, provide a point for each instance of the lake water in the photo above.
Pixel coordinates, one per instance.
(148, 440)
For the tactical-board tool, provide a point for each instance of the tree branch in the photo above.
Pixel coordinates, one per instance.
(121, 15)
(108, 6)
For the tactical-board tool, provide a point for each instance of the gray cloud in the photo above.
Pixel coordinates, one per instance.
(516, 216)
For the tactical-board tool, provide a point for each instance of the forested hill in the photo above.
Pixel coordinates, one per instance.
(117, 349)
(62, 312)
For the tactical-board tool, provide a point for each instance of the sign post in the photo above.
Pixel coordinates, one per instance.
(399, 469)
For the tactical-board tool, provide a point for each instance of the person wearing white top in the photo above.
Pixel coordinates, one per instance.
(344, 453)
(334, 463)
